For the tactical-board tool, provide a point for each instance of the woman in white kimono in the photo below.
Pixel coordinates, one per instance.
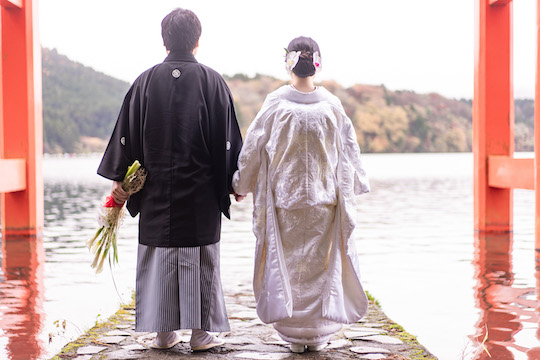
(301, 161)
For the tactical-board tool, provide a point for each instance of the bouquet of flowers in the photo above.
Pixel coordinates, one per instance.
(109, 217)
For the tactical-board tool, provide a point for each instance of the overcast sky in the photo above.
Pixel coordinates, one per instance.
(420, 45)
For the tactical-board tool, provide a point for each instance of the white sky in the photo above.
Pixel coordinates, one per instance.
(420, 45)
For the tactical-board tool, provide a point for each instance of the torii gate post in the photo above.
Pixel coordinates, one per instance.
(21, 182)
(496, 172)
(493, 115)
(21, 128)
(537, 143)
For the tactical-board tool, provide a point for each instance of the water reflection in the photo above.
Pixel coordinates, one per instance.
(21, 298)
(415, 239)
(508, 313)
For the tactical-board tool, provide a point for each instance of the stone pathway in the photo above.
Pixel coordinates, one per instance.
(374, 337)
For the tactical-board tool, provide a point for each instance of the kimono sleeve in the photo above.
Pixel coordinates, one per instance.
(225, 140)
(249, 161)
(125, 144)
(351, 152)
(117, 156)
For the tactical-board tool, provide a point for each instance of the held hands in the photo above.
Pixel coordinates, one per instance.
(239, 197)
(118, 194)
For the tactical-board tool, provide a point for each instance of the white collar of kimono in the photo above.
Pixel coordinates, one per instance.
(292, 94)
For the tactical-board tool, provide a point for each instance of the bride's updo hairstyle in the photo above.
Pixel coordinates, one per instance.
(308, 47)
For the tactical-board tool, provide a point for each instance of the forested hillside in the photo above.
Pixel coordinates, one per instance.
(393, 121)
(80, 107)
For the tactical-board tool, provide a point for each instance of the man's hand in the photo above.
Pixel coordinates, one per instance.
(118, 194)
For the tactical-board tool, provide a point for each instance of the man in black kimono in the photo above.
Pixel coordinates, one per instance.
(178, 120)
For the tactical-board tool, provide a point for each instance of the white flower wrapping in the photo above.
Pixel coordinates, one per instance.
(102, 217)
(291, 59)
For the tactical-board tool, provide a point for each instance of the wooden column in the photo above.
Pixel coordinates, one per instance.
(21, 129)
(537, 142)
(493, 112)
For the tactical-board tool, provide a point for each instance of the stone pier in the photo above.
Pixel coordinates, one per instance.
(374, 337)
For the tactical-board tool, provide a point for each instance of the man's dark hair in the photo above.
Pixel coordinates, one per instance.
(181, 30)
(308, 47)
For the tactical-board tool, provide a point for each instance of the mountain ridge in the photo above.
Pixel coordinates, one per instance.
(80, 107)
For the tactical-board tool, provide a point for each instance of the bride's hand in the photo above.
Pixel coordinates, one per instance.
(238, 197)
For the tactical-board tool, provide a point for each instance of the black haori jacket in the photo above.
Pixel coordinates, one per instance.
(178, 120)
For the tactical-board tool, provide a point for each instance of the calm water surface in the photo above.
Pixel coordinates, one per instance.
(420, 257)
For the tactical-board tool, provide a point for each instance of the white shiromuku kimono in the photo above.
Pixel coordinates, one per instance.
(301, 160)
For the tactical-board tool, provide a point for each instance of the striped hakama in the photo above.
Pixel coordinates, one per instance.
(179, 288)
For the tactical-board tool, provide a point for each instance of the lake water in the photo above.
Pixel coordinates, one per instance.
(419, 256)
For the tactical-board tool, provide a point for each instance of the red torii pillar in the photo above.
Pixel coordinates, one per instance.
(496, 172)
(537, 140)
(21, 128)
